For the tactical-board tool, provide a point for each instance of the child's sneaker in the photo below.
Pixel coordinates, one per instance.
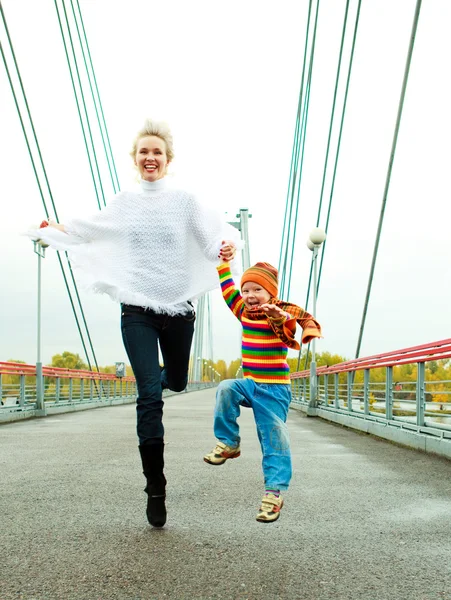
(221, 453)
(270, 508)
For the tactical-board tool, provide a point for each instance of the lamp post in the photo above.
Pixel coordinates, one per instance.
(243, 227)
(39, 249)
(316, 238)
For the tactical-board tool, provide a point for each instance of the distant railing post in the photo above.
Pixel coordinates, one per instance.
(336, 398)
(82, 390)
(326, 389)
(420, 395)
(22, 390)
(349, 381)
(389, 394)
(91, 389)
(57, 389)
(70, 389)
(366, 385)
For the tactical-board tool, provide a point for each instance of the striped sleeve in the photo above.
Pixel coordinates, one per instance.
(230, 293)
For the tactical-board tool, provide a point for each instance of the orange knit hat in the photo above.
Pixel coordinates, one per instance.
(264, 274)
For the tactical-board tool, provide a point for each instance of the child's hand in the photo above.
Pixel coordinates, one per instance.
(228, 251)
(273, 311)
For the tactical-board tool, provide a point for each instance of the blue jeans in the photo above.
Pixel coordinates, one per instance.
(270, 402)
(142, 331)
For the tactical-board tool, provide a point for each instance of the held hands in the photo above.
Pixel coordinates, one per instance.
(227, 251)
(53, 224)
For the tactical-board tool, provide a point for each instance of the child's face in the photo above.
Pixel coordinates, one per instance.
(254, 294)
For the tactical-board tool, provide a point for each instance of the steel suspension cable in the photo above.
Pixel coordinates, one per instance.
(96, 98)
(294, 152)
(343, 112)
(297, 167)
(337, 152)
(389, 170)
(43, 199)
(298, 163)
(42, 165)
(88, 151)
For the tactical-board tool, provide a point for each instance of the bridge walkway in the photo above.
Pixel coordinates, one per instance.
(363, 520)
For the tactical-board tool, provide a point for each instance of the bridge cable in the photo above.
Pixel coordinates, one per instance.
(298, 163)
(294, 153)
(24, 96)
(389, 170)
(96, 98)
(297, 168)
(337, 153)
(88, 150)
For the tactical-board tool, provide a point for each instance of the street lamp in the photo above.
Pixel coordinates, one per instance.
(316, 238)
(39, 249)
(243, 227)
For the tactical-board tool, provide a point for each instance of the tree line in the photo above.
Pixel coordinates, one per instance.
(404, 376)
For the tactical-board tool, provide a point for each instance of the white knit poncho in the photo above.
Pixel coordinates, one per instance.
(157, 248)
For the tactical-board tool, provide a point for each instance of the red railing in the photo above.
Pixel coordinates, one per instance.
(14, 368)
(416, 354)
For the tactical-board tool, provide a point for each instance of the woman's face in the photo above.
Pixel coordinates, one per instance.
(151, 158)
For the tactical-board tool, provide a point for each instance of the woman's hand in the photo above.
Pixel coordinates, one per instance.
(227, 251)
(53, 224)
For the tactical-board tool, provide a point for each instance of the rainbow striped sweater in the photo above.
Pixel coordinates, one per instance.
(264, 353)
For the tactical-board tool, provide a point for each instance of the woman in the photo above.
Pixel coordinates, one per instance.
(153, 251)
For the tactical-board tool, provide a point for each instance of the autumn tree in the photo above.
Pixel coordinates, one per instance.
(221, 368)
(68, 360)
(233, 368)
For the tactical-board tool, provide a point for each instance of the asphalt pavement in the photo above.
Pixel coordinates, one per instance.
(363, 520)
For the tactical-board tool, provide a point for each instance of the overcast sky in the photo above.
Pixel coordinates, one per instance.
(226, 76)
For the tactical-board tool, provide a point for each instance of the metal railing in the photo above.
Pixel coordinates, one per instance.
(65, 388)
(397, 388)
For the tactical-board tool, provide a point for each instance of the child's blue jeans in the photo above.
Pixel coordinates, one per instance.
(270, 402)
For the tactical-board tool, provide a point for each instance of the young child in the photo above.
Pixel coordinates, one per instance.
(269, 326)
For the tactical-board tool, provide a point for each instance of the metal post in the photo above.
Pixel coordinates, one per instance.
(22, 391)
(336, 391)
(244, 228)
(389, 394)
(420, 394)
(366, 384)
(40, 404)
(349, 380)
(313, 402)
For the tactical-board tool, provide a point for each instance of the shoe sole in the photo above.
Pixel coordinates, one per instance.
(156, 511)
(270, 520)
(216, 464)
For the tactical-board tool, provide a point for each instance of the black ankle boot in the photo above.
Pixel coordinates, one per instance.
(152, 457)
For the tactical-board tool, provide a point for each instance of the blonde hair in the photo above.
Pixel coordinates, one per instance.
(158, 129)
